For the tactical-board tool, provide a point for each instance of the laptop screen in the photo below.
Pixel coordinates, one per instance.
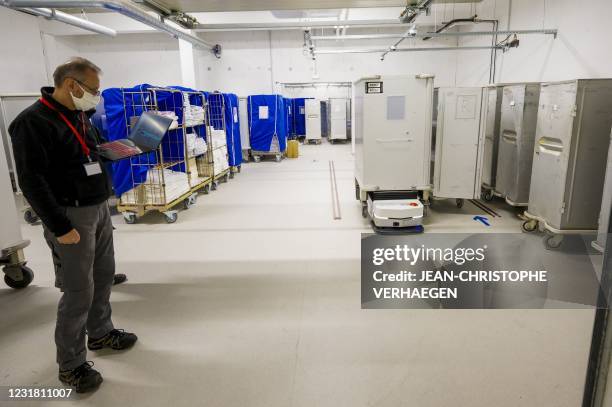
(150, 130)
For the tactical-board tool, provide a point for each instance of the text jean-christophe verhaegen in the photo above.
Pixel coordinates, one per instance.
(449, 270)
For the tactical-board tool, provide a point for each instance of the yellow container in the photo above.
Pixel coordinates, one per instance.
(293, 147)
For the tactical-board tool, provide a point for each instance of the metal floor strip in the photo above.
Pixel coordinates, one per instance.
(334, 191)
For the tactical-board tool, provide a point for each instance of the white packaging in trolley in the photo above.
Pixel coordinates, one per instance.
(393, 116)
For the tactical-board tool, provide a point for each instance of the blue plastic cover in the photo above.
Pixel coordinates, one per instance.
(299, 116)
(288, 112)
(266, 120)
(116, 103)
(127, 174)
(232, 129)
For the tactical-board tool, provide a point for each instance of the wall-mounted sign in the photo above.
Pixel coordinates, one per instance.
(374, 87)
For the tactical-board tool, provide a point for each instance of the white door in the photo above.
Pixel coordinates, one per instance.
(338, 119)
(243, 114)
(457, 143)
(313, 119)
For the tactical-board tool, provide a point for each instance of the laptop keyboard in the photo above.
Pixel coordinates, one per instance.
(121, 149)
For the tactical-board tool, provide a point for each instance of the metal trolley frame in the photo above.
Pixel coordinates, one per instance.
(199, 169)
(151, 194)
(216, 115)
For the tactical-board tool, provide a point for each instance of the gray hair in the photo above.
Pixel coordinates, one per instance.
(74, 68)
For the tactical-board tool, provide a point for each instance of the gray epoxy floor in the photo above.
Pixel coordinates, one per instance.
(252, 299)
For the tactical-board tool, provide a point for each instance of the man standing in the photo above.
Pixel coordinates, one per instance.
(62, 178)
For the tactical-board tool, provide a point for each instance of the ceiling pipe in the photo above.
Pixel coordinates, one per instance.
(297, 25)
(124, 7)
(451, 23)
(434, 35)
(422, 49)
(69, 19)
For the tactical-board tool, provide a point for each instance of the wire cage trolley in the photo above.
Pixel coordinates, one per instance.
(217, 155)
(159, 180)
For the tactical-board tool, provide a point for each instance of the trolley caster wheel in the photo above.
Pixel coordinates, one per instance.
(488, 195)
(171, 217)
(129, 218)
(256, 159)
(18, 276)
(189, 202)
(214, 186)
(227, 177)
(364, 212)
(206, 189)
(530, 226)
(232, 175)
(278, 158)
(459, 203)
(553, 241)
(30, 217)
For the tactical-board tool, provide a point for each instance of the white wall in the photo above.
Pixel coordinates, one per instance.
(126, 60)
(582, 49)
(22, 64)
(258, 61)
(245, 66)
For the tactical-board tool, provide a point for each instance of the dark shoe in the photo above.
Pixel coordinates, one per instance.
(119, 278)
(83, 378)
(117, 339)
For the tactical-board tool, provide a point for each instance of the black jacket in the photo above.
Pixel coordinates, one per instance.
(49, 162)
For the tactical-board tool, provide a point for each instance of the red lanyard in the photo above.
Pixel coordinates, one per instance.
(78, 135)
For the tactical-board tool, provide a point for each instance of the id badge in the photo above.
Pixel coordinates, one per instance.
(92, 168)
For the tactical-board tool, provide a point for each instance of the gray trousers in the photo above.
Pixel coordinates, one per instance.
(84, 273)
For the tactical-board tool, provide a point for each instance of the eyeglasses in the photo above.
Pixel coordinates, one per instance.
(87, 88)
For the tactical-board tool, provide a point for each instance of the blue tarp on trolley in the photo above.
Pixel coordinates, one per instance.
(299, 116)
(290, 125)
(116, 104)
(121, 105)
(232, 130)
(266, 121)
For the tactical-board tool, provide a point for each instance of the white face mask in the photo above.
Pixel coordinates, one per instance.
(85, 102)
